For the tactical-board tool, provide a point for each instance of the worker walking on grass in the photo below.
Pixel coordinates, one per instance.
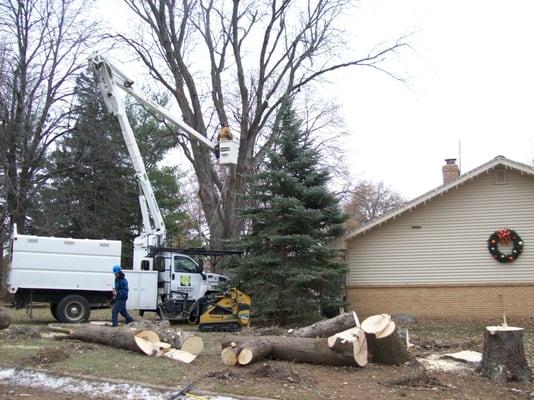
(120, 295)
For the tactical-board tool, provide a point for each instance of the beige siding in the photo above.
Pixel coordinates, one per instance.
(451, 245)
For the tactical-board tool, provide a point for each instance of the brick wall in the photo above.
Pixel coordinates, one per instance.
(444, 301)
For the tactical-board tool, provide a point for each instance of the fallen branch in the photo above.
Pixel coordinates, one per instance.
(326, 327)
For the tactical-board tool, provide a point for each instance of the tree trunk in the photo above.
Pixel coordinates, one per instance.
(326, 327)
(389, 350)
(503, 358)
(114, 337)
(123, 338)
(5, 319)
(306, 350)
(181, 340)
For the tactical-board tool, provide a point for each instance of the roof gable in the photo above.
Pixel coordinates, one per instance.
(440, 190)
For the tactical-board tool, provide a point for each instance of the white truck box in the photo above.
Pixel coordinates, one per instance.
(61, 263)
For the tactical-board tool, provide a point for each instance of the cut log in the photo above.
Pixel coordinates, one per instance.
(126, 338)
(503, 358)
(389, 350)
(114, 337)
(255, 350)
(178, 339)
(229, 356)
(346, 341)
(5, 319)
(361, 355)
(180, 355)
(351, 342)
(326, 327)
(306, 350)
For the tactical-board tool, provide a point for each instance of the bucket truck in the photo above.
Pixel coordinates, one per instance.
(163, 279)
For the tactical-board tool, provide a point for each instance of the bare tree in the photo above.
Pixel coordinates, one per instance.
(369, 201)
(234, 62)
(44, 41)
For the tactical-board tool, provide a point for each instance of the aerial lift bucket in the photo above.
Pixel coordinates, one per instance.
(228, 151)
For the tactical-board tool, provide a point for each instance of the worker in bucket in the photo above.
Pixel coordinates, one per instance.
(224, 134)
(120, 295)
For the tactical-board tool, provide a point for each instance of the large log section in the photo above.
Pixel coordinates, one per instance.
(125, 338)
(307, 350)
(114, 337)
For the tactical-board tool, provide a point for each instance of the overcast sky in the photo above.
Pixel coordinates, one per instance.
(468, 80)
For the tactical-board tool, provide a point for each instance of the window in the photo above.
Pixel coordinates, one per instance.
(182, 264)
(500, 176)
(159, 264)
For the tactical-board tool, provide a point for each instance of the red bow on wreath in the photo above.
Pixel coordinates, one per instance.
(503, 235)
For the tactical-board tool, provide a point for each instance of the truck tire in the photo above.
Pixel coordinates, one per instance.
(53, 311)
(73, 309)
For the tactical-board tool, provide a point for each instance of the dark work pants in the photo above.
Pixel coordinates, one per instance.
(120, 308)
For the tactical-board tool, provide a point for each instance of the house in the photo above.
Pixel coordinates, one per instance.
(430, 258)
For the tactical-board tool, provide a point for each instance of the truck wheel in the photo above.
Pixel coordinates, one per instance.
(53, 311)
(73, 309)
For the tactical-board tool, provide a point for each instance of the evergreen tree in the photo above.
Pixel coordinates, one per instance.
(288, 268)
(94, 193)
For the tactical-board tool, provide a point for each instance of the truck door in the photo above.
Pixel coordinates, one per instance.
(186, 277)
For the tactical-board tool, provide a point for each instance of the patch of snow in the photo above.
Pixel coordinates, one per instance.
(465, 356)
(48, 382)
(434, 362)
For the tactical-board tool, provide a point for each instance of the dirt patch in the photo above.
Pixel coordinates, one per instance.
(277, 373)
(224, 375)
(48, 356)
(420, 378)
(16, 332)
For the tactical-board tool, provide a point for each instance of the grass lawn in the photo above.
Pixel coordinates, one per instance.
(285, 380)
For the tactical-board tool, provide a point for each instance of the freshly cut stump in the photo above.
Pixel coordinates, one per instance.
(503, 359)
(389, 350)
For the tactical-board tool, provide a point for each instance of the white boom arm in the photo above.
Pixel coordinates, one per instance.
(154, 232)
(110, 77)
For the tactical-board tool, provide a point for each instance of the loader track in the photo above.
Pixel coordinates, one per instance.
(220, 327)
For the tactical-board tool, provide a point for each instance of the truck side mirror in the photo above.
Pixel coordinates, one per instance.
(159, 264)
(200, 265)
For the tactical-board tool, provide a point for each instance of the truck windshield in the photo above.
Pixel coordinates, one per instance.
(183, 264)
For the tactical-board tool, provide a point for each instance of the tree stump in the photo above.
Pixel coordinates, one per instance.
(5, 319)
(503, 359)
(389, 350)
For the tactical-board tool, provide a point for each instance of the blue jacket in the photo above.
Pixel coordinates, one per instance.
(121, 288)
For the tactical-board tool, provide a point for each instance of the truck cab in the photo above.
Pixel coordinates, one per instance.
(182, 281)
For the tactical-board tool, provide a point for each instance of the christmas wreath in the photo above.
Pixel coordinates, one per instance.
(503, 236)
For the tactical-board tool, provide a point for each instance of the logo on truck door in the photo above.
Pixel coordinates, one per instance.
(185, 280)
